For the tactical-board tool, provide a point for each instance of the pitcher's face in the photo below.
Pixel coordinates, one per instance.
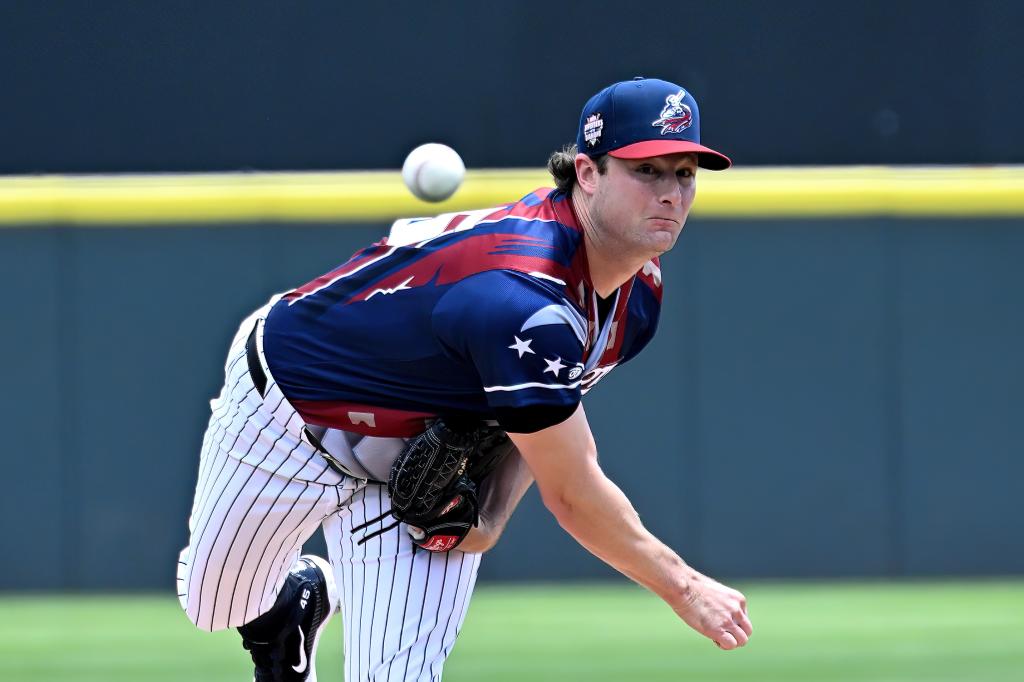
(640, 205)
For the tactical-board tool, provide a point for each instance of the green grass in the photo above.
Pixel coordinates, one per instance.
(882, 632)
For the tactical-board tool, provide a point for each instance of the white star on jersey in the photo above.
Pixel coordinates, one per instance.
(521, 346)
(554, 366)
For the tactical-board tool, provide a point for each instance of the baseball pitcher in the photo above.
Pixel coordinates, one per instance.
(407, 399)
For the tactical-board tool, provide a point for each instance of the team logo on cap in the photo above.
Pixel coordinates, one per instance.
(676, 116)
(592, 128)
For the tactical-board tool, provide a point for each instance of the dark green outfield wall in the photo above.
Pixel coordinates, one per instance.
(162, 86)
(835, 398)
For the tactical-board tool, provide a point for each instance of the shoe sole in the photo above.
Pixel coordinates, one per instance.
(332, 600)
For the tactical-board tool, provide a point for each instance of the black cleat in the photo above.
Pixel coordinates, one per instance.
(283, 641)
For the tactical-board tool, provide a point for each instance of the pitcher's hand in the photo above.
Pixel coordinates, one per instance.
(716, 611)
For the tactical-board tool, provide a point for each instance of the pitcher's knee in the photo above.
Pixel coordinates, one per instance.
(190, 597)
(189, 602)
(213, 600)
(206, 614)
(191, 608)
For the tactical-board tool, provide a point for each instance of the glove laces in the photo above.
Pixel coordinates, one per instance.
(380, 531)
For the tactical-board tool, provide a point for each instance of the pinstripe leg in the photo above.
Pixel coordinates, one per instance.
(402, 609)
(261, 492)
(244, 540)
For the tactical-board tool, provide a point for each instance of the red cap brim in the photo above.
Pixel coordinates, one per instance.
(706, 158)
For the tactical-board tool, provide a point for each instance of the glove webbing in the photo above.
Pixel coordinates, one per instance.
(416, 497)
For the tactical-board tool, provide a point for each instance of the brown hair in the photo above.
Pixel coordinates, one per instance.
(562, 166)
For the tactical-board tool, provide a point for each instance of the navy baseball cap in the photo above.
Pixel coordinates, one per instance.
(644, 117)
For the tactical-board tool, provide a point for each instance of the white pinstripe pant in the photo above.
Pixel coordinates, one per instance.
(262, 491)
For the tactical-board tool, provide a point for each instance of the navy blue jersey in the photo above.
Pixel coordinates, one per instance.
(487, 314)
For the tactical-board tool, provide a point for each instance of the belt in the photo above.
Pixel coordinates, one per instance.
(252, 357)
(259, 380)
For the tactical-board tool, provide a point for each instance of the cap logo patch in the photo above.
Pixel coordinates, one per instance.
(592, 128)
(676, 116)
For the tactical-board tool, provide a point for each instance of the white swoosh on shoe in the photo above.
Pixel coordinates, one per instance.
(301, 667)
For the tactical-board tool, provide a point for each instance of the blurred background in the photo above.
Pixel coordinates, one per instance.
(831, 415)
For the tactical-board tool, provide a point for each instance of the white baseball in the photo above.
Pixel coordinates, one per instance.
(433, 171)
(417, 533)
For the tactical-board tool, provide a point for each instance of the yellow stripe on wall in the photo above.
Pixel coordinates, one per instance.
(941, 191)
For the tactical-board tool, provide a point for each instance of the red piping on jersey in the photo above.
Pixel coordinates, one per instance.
(345, 268)
(455, 222)
(368, 420)
(471, 255)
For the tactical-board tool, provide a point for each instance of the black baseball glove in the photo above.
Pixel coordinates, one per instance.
(433, 483)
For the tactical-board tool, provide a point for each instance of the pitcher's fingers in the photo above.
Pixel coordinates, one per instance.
(743, 620)
(726, 641)
(738, 635)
